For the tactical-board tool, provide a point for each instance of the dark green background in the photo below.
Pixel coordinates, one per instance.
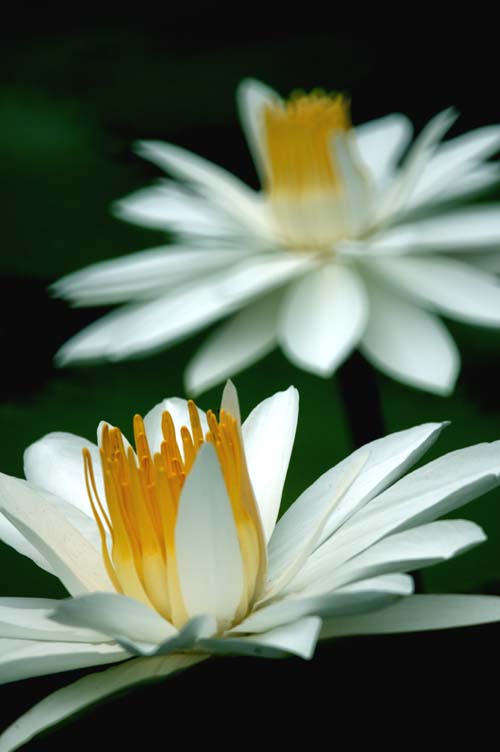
(72, 100)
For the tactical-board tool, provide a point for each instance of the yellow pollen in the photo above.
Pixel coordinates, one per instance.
(143, 492)
(298, 139)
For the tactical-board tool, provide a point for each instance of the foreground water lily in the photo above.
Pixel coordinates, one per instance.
(171, 551)
(346, 245)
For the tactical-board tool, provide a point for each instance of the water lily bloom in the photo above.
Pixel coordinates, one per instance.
(171, 551)
(350, 243)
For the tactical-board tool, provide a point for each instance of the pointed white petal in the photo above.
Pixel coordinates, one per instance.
(409, 550)
(178, 409)
(298, 638)
(28, 619)
(10, 535)
(425, 494)
(145, 327)
(323, 318)
(230, 401)
(253, 97)
(237, 344)
(206, 542)
(268, 436)
(46, 522)
(408, 343)
(144, 275)
(22, 659)
(418, 613)
(382, 142)
(357, 186)
(169, 206)
(190, 636)
(365, 595)
(75, 697)
(213, 182)
(477, 179)
(451, 287)
(114, 615)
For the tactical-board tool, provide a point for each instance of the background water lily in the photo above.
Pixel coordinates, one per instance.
(350, 243)
(206, 569)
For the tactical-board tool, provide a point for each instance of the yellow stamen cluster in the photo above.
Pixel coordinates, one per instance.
(143, 492)
(298, 140)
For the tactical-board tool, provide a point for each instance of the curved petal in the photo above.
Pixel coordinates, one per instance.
(268, 436)
(11, 536)
(323, 318)
(248, 336)
(190, 636)
(409, 344)
(22, 659)
(252, 98)
(418, 613)
(298, 638)
(145, 327)
(452, 287)
(207, 548)
(87, 691)
(28, 619)
(178, 409)
(382, 142)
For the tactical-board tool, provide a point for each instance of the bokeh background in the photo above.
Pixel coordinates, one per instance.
(73, 99)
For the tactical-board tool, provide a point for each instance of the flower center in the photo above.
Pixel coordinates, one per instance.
(143, 492)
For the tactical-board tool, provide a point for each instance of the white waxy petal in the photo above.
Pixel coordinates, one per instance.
(365, 595)
(253, 97)
(11, 536)
(237, 344)
(114, 615)
(190, 636)
(409, 550)
(169, 206)
(298, 638)
(28, 619)
(418, 613)
(143, 275)
(451, 287)
(87, 691)
(323, 318)
(178, 409)
(208, 552)
(409, 343)
(268, 436)
(382, 142)
(46, 522)
(20, 659)
(145, 327)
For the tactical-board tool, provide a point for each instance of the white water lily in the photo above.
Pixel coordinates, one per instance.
(172, 552)
(347, 245)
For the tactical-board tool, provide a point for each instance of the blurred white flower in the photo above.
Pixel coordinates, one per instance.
(171, 551)
(350, 243)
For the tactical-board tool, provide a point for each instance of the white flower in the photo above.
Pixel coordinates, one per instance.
(347, 245)
(172, 552)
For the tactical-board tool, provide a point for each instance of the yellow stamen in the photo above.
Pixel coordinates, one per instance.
(299, 143)
(143, 493)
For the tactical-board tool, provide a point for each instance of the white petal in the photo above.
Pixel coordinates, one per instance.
(178, 409)
(420, 497)
(28, 619)
(144, 275)
(145, 327)
(408, 343)
(253, 97)
(477, 179)
(409, 550)
(46, 522)
(268, 436)
(323, 318)
(382, 142)
(453, 159)
(235, 345)
(213, 182)
(10, 535)
(357, 186)
(365, 595)
(388, 458)
(451, 287)
(55, 464)
(22, 659)
(297, 638)
(206, 541)
(189, 637)
(418, 613)
(75, 697)
(169, 206)
(114, 615)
